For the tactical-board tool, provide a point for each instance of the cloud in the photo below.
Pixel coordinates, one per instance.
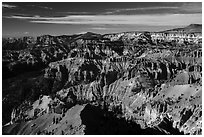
(171, 8)
(22, 17)
(37, 17)
(139, 9)
(42, 7)
(99, 28)
(76, 12)
(8, 6)
(156, 20)
(191, 7)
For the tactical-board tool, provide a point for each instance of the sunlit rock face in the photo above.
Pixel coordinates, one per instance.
(150, 81)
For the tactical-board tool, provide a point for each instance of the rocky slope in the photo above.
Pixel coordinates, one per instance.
(149, 82)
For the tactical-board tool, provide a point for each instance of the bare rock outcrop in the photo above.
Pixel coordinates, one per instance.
(152, 80)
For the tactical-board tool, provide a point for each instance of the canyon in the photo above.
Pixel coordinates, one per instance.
(120, 83)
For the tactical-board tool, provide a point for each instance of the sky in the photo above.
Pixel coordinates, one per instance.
(66, 18)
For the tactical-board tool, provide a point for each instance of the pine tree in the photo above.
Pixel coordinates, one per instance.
(62, 132)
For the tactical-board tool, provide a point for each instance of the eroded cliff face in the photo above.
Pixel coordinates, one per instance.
(127, 76)
(146, 93)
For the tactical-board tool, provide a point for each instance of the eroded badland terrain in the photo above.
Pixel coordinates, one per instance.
(122, 83)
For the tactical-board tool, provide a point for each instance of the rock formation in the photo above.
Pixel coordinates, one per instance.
(151, 81)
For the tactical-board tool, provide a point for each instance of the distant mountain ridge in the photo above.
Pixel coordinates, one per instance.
(192, 28)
